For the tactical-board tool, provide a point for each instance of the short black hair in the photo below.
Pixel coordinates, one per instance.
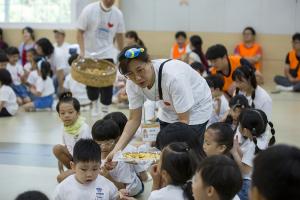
(223, 174)
(296, 36)
(216, 51)
(224, 134)
(72, 58)
(198, 66)
(12, 51)
(105, 129)
(251, 29)
(276, 173)
(3, 56)
(124, 62)
(32, 195)
(119, 117)
(5, 77)
(180, 34)
(215, 81)
(67, 97)
(86, 150)
(180, 132)
(46, 46)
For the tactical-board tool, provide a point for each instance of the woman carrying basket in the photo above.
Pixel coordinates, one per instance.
(183, 95)
(98, 24)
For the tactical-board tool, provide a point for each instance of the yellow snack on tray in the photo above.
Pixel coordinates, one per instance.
(142, 155)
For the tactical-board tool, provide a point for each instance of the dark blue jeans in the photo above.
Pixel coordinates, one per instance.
(243, 193)
(284, 81)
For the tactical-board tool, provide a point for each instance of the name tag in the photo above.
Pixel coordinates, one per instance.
(150, 131)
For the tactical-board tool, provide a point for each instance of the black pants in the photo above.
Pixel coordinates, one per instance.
(4, 113)
(106, 93)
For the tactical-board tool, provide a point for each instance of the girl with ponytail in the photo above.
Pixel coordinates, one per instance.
(253, 125)
(43, 89)
(245, 80)
(172, 175)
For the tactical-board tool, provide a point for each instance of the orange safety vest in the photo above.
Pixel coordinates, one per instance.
(234, 62)
(250, 52)
(294, 62)
(177, 53)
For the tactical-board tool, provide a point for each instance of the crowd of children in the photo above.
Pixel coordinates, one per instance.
(227, 162)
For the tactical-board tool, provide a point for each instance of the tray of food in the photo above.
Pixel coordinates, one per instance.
(138, 157)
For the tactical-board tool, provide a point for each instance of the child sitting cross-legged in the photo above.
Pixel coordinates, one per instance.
(74, 128)
(86, 183)
(106, 133)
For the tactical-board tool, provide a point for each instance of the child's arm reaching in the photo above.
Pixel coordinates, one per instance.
(237, 155)
(105, 172)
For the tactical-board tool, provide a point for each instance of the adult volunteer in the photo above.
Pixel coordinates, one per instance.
(183, 94)
(98, 25)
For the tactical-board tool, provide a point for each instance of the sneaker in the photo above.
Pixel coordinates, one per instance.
(283, 88)
(95, 109)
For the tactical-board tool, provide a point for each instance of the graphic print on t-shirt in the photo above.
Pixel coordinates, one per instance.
(99, 194)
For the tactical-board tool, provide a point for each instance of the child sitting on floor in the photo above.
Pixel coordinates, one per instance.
(86, 183)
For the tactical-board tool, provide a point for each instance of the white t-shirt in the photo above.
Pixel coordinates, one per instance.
(71, 189)
(125, 173)
(169, 192)
(27, 67)
(224, 107)
(248, 150)
(100, 29)
(16, 71)
(262, 101)
(33, 77)
(46, 87)
(194, 57)
(70, 141)
(61, 57)
(183, 90)
(9, 98)
(78, 90)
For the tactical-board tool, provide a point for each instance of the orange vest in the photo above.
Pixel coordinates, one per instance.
(177, 54)
(294, 62)
(250, 52)
(234, 63)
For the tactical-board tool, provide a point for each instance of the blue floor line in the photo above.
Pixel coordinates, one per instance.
(37, 155)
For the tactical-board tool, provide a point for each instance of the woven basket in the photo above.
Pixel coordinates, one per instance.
(95, 73)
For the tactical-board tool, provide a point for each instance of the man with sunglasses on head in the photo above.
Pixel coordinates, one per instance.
(183, 95)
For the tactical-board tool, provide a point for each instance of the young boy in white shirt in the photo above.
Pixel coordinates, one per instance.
(220, 103)
(17, 73)
(106, 133)
(86, 183)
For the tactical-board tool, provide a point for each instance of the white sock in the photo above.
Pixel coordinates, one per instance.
(105, 109)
